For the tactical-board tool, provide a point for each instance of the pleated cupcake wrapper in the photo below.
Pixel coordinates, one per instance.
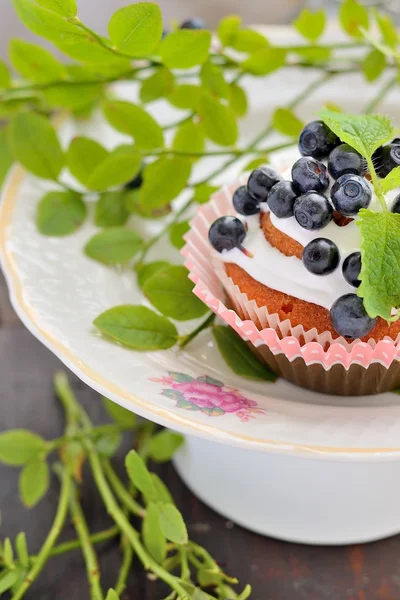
(306, 358)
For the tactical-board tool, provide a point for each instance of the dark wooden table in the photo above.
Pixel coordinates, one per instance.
(276, 570)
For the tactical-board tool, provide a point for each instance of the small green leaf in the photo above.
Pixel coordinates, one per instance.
(89, 51)
(352, 16)
(172, 524)
(391, 181)
(65, 8)
(140, 476)
(34, 62)
(18, 446)
(163, 445)
(34, 482)
(116, 169)
(177, 232)
(8, 552)
(228, 28)
(311, 24)
(213, 81)
(22, 549)
(185, 97)
(149, 269)
(373, 64)
(238, 355)
(137, 327)
(219, 121)
(60, 213)
(157, 86)
(163, 492)
(35, 145)
(83, 156)
(171, 292)
(79, 98)
(254, 163)
(5, 77)
(114, 246)
(111, 210)
(380, 259)
(204, 191)
(6, 157)
(153, 537)
(247, 40)
(8, 579)
(164, 180)
(285, 121)
(119, 414)
(185, 48)
(136, 29)
(314, 54)
(365, 133)
(135, 121)
(189, 138)
(238, 100)
(388, 29)
(265, 61)
(107, 445)
(112, 595)
(46, 23)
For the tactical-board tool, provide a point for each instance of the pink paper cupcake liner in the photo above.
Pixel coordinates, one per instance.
(306, 358)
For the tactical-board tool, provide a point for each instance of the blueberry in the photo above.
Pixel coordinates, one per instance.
(349, 317)
(312, 211)
(243, 203)
(309, 174)
(226, 233)
(344, 159)
(386, 158)
(261, 181)
(281, 199)
(350, 193)
(351, 268)
(321, 256)
(396, 205)
(194, 23)
(136, 182)
(317, 140)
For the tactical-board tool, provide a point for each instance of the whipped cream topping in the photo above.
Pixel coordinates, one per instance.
(287, 274)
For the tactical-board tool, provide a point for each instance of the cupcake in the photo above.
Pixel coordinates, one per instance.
(285, 245)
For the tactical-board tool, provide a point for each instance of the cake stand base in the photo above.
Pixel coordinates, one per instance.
(305, 500)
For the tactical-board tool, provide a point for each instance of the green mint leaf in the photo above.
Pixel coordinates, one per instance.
(119, 414)
(6, 157)
(46, 23)
(238, 355)
(34, 62)
(212, 79)
(159, 188)
(391, 181)
(219, 121)
(5, 77)
(285, 121)
(34, 482)
(107, 445)
(136, 29)
(171, 292)
(247, 40)
(388, 29)
(114, 246)
(116, 169)
(157, 86)
(163, 492)
(110, 210)
(8, 579)
(238, 100)
(83, 156)
(311, 24)
(185, 48)
(21, 546)
(186, 96)
(140, 476)
(60, 213)
(112, 595)
(352, 16)
(255, 162)
(228, 28)
(146, 271)
(136, 122)
(65, 8)
(18, 446)
(203, 192)
(189, 137)
(177, 232)
(35, 145)
(163, 445)
(380, 258)
(172, 524)
(153, 537)
(265, 61)
(365, 133)
(137, 327)
(373, 64)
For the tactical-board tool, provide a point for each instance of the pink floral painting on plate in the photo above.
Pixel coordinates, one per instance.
(207, 395)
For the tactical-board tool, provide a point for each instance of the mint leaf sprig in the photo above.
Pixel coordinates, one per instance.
(380, 231)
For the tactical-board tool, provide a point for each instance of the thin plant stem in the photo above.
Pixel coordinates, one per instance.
(376, 100)
(186, 339)
(121, 491)
(127, 559)
(94, 433)
(96, 538)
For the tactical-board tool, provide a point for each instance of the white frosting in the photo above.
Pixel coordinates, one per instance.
(287, 274)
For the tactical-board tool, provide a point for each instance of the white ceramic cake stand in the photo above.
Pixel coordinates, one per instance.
(277, 459)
